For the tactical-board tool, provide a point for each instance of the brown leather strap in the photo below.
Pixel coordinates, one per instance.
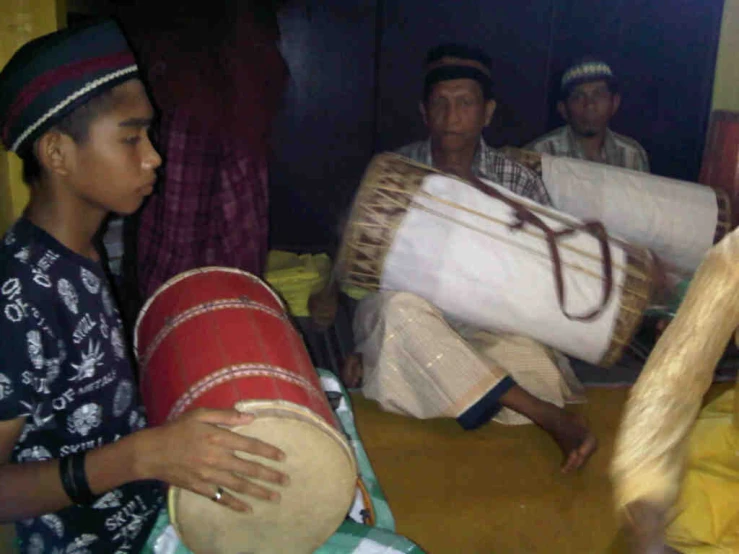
(525, 216)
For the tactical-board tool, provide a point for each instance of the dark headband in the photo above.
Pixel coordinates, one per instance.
(450, 72)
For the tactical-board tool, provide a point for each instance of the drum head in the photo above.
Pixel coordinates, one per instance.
(323, 475)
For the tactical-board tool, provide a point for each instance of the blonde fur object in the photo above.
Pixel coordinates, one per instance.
(650, 448)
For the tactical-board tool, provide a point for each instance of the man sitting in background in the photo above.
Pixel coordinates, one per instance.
(589, 99)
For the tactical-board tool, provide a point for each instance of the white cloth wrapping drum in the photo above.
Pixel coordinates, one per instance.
(678, 220)
(413, 229)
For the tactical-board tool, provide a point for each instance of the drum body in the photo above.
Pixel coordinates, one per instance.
(416, 230)
(677, 220)
(220, 338)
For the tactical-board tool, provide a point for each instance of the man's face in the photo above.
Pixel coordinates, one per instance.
(589, 108)
(114, 169)
(456, 113)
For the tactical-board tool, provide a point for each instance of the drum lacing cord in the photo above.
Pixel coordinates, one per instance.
(596, 229)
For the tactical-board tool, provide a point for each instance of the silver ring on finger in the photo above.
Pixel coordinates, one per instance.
(217, 495)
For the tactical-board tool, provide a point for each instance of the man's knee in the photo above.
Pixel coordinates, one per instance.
(389, 309)
(407, 304)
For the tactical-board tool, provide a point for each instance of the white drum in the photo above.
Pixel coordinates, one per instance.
(677, 220)
(414, 229)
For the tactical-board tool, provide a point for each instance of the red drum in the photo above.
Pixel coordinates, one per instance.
(220, 338)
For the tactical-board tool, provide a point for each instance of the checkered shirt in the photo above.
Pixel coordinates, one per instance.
(492, 165)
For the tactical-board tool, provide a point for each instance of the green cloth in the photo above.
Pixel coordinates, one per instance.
(353, 538)
(295, 277)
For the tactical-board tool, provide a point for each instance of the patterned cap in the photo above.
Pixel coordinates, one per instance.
(53, 75)
(584, 72)
(458, 61)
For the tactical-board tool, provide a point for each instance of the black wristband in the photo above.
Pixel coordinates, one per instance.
(74, 479)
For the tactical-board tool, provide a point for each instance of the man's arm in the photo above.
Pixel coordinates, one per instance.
(324, 304)
(26, 489)
(194, 452)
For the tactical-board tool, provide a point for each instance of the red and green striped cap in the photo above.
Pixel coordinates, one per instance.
(51, 76)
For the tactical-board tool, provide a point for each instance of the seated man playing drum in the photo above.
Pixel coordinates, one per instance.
(414, 360)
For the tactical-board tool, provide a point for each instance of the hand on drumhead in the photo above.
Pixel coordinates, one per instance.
(196, 452)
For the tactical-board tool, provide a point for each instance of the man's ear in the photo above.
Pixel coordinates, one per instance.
(562, 110)
(616, 103)
(490, 106)
(424, 113)
(53, 151)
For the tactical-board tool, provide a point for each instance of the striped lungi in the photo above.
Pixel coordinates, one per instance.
(421, 364)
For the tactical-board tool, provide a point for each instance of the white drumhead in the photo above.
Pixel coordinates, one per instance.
(323, 476)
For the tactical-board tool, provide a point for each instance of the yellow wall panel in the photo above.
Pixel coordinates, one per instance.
(20, 21)
(726, 83)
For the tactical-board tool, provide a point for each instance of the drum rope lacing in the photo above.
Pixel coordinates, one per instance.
(596, 229)
(525, 216)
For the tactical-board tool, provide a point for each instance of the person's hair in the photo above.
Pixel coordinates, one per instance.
(76, 124)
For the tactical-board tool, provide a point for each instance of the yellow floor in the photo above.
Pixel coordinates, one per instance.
(497, 489)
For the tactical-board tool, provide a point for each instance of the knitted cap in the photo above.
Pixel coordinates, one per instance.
(586, 71)
(51, 76)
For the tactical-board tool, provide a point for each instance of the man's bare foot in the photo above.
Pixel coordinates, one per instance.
(352, 371)
(574, 439)
(568, 430)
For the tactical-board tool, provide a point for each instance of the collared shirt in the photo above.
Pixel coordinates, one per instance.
(617, 150)
(492, 165)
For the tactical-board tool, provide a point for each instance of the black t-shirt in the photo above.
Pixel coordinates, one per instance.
(64, 366)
